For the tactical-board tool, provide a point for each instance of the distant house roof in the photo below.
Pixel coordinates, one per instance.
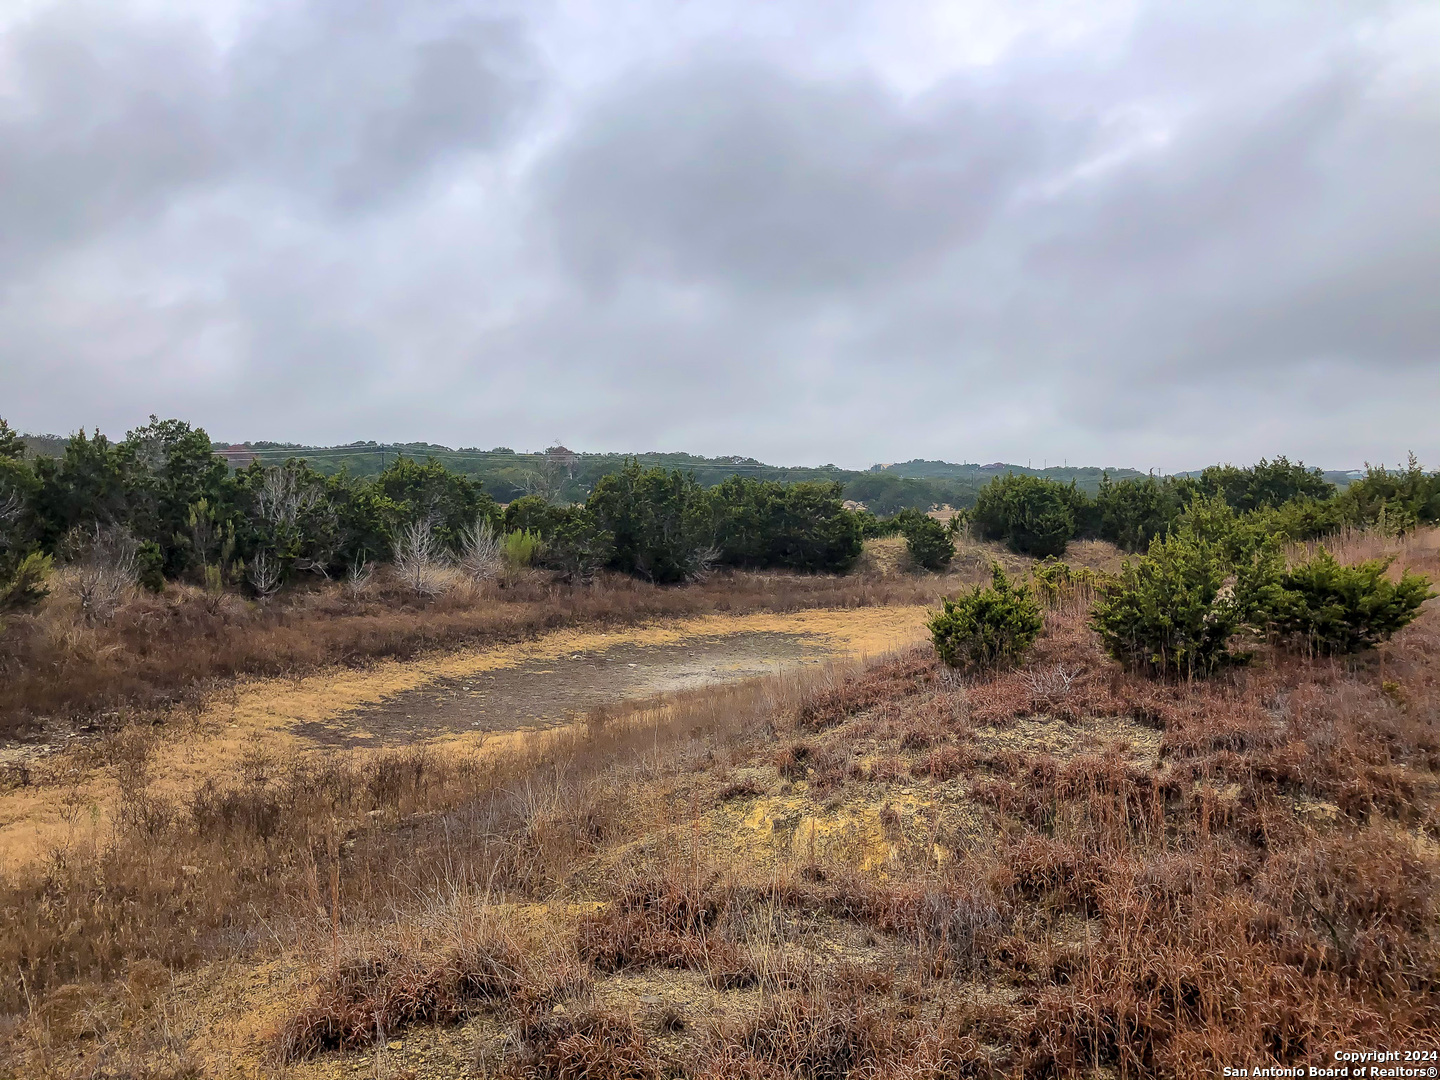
(237, 455)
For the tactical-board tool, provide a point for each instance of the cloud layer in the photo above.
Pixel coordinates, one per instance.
(1151, 235)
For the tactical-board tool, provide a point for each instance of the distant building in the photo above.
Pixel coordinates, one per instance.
(238, 456)
(558, 457)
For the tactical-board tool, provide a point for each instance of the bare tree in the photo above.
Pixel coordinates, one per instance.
(556, 467)
(539, 482)
(106, 568)
(700, 562)
(420, 560)
(357, 578)
(481, 556)
(10, 507)
(561, 460)
(284, 496)
(264, 573)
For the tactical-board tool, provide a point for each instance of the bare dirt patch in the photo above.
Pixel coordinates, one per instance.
(550, 690)
(70, 796)
(1065, 739)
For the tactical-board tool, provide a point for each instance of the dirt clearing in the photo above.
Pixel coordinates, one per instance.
(462, 700)
(546, 691)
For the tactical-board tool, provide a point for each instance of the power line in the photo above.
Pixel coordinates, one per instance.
(486, 455)
(540, 457)
(345, 453)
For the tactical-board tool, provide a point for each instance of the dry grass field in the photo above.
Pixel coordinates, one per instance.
(855, 869)
(169, 653)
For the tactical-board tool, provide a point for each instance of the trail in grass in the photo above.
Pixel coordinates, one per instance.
(463, 700)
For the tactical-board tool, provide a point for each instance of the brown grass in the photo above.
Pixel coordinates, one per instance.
(363, 999)
(176, 649)
(1185, 876)
(836, 1031)
(591, 1044)
(184, 880)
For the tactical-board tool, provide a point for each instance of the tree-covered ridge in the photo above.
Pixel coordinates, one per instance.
(164, 503)
(561, 474)
(1086, 478)
(555, 472)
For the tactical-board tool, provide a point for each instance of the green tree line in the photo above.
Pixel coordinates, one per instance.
(187, 515)
(1038, 516)
(163, 500)
(562, 476)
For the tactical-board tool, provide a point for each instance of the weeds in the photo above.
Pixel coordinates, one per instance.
(591, 1044)
(664, 923)
(1265, 891)
(364, 999)
(833, 1031)
(157, 651)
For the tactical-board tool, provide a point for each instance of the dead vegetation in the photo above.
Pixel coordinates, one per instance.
(885, 872)
(364, 998)
(152, 653)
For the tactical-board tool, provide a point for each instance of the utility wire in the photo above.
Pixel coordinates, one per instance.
(285, 453)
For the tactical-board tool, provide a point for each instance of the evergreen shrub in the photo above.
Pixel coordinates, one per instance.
(1329, 609)
(988, 626)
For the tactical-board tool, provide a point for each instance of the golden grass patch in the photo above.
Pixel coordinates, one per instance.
(253, 722)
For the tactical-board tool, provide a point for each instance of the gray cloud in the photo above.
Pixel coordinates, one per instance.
(354, 102)
(738, 175)
(114, 116)
(105, 118)
(1166, 238)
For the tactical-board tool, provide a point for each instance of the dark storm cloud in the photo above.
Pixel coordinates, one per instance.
(1184, 233)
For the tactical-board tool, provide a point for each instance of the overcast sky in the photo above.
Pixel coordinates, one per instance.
(1155, 235)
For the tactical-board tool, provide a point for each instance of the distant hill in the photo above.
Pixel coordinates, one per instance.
(44, 445)
(1087, 478)
(568, 476)
(1343, 478)
(508, 474)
